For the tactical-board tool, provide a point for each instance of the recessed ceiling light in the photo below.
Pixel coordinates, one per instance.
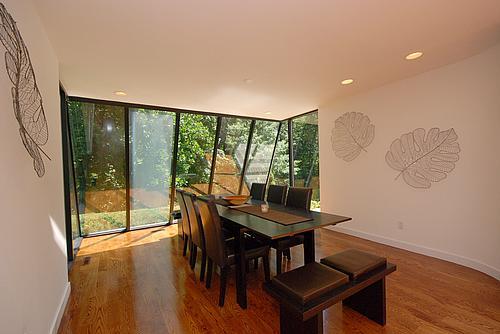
(120, 93)
(248, 81)
(267, 113)
(414, 55)
(347, 81)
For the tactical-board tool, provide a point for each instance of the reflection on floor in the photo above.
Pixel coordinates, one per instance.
(138, 282)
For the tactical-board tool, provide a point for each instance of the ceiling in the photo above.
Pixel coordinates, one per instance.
(196, 54)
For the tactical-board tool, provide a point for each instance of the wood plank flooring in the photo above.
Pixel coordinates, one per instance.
(139, 282)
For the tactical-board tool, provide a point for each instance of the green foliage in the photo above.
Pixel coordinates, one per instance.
(151, 146)
(234, 131)
(305, 148)
(196, 141)
(280, 171)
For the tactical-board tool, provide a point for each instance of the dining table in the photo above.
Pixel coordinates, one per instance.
(279, 222)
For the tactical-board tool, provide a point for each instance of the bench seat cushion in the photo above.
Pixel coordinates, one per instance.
(354, 262)
(308, 282)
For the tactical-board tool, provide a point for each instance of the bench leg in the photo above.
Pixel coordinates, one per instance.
(290, 324)
(370, 302)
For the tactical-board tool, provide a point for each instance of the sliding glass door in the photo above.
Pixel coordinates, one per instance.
(151, 139)
(98, 142)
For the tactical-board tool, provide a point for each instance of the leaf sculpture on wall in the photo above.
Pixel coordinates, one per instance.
(422, 160)
(351, 135)
(26, 98)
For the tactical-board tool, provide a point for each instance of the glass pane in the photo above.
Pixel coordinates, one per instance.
(194, 157)
(280, 171)
(75, 229)
(306, 154)
(231, 150)
(261, 153)
(98, 139)
(68, 165)
(151, 148)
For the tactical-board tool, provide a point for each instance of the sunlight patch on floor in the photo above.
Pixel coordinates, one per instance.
(105, 243)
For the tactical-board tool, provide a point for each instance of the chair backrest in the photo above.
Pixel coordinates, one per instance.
(276, 194)
(194, 220)
(299, 198)
(215, 245)
(184, 214)
(257, 191)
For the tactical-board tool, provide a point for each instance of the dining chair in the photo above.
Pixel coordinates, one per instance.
(221, 252)
(257, 191)
(185, 228)
(276, 194)
(197, 233)
(297, 198)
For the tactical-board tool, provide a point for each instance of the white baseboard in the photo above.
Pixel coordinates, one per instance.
(60, 310)
(474, 264)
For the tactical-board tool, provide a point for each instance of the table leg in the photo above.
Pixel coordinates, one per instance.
(309, 248)
(241, 281)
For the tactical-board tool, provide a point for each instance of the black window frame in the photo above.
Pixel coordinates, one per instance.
(178, 112)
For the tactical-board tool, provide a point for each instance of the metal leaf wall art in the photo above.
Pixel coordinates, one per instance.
(422, 159)
(26, 98)
(352, 134)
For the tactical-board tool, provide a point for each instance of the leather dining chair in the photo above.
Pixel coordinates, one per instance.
(297, 198)
(221, 252)
(257, 191)
(197, 233)
(185, 228)
(276, 194)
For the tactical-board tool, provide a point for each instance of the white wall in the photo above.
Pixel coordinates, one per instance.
(33, 271)
(457, 219)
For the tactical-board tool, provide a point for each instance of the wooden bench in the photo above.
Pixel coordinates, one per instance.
(358, 280)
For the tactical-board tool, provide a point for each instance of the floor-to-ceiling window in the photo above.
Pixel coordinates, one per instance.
(261, 153)
(306, 154)
(231, 151)
(127, 159)
(75, 227)
(73, 233)
(280, 170)
(195, 152)
(98, 140)
(151, 139)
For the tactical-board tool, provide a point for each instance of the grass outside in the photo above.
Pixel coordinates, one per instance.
(103, 221)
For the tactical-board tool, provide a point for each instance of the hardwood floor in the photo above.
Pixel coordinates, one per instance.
(139, 282)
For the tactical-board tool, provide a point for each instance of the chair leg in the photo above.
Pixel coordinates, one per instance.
(256, 263)
(223, 284)
(267, 270)
(191, 248)
(287, 254)
(208, 281)
(184, 250)
(203, 265)
(194, 256)
(279, 256)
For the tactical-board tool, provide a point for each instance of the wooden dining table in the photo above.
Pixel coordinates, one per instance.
(243, 222)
